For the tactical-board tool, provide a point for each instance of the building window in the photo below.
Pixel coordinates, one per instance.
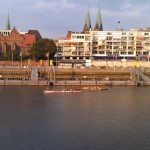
(123, 53)
(101, 52)
(109, 33)
(130, 33)
(124, 38)
(109, 38)
(87, 38)
(0, 49)
(146, 33)
(146, 38)
(8, 48)
(80, 37)
(74, 37)
(145, 53)
(29, 44)
(17, 47)
(130, 38)
(130, 53)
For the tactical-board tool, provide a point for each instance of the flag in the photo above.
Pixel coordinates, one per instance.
(20, 54)
(134, 63)
(29, 61)
(51, 62)
(47, 54)
(41, 62)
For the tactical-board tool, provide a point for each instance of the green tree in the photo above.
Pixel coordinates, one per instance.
(1, 56)
(41, 47)
(15, 55)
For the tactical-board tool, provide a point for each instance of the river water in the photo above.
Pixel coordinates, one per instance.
(92, 120)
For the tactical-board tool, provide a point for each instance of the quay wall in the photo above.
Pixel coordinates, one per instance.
(71, 83)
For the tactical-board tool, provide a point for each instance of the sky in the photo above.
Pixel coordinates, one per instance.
(54, 18)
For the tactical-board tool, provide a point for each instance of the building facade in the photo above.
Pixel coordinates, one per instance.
(96, 44)
(15, 40)
(121, 44)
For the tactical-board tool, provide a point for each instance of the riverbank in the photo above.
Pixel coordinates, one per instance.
(79, 76)
(72, 83)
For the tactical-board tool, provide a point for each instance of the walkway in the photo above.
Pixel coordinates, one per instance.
(34, 74)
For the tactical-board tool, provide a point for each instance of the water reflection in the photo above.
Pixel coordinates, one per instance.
(113, 119)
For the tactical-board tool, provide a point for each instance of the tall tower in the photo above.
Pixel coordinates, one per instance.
(87, 25)
(98, 25)
(8, 22)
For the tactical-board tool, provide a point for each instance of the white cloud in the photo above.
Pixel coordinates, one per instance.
(128, 9)
(58, 16)
(55, 6)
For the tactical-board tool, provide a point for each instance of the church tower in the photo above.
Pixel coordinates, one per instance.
(98, 25)
(8, 23)
(87, 25)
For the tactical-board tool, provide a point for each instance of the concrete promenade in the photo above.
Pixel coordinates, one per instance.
(96, 63)
(119, 63)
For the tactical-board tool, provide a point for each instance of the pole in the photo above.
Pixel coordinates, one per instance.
(56, 54)
(12, 55)
(54, 74)
(48, 66)
(21, 59)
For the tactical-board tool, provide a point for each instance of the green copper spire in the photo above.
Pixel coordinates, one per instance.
(98, 25)
(87, 25)
(8, 22)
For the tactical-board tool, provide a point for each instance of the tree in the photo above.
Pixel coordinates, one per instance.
(1, 56)
(15, 54)
(41, 48)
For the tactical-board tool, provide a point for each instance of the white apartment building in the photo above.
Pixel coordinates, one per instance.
(106, 44)
(79, 46)
(97, 44)
(121, 44)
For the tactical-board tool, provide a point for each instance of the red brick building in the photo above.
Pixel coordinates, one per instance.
(15, 40)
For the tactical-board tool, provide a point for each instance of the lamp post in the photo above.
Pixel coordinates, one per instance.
(48, 64)
(12, 57)
(57, 54)
(21, 58)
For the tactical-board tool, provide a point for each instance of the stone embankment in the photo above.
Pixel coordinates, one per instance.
(73, 77)
(72, 83)
(98, 75)
(15, 73)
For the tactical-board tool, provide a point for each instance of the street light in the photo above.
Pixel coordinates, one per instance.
(56, 54)
(48, 65)
(21, 58)
(12, 57)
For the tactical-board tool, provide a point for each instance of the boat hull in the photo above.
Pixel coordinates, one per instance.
(62, 91)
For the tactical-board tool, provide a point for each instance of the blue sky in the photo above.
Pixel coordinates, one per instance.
(53, 18)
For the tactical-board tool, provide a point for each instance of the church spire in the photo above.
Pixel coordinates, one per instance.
(87, 25)
(8, 22)
(98, 25)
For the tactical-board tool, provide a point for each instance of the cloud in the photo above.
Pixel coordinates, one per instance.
(55, 17)
(128, 9)
(54, 6)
